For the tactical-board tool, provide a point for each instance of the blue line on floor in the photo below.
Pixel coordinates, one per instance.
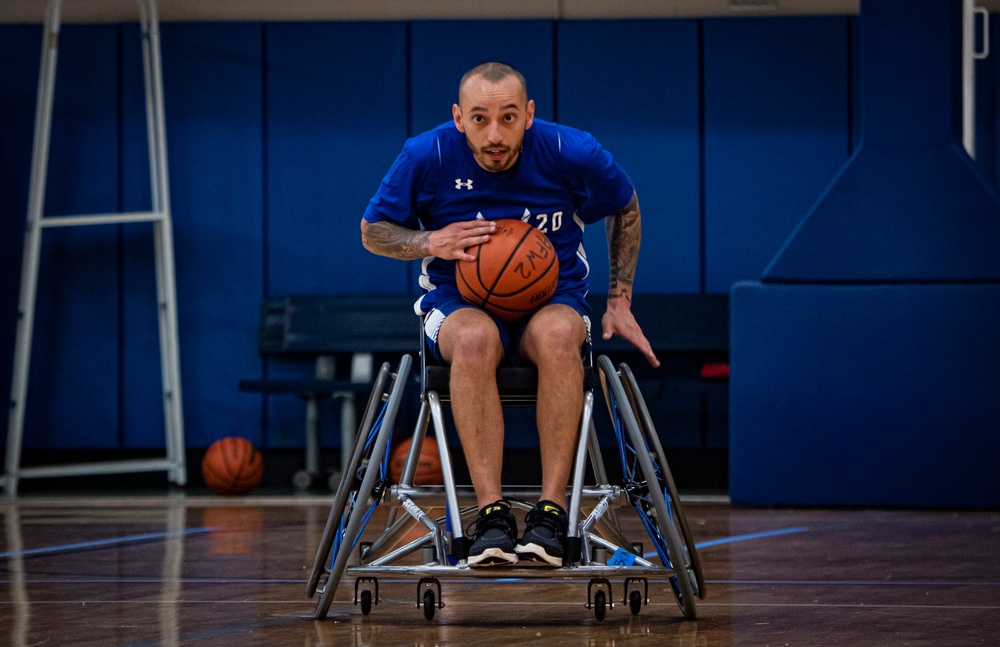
(730, 540)
(100, 543)
(756, 535)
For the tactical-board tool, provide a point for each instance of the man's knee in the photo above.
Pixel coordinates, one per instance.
(470, 336)
(555, 334)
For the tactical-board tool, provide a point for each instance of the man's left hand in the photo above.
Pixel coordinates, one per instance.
(619, 320)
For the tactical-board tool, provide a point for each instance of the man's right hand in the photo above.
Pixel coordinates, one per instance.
(451, 241)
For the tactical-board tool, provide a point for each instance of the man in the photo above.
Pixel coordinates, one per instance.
(494, 161)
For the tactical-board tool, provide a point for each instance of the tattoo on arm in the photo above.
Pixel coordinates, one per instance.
(395, 241)
(624, 231)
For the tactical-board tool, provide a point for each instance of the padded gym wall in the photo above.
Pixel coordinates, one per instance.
(336, 114)
(647, 115)
(777, 127)
(278, 134)
(212, 76)
(76, 367)
(18, 87)
(862, 361)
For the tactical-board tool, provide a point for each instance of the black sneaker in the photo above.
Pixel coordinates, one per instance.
(496, 531)
(544, 535)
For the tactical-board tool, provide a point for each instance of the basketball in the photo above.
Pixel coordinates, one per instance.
(428, 464)
(232, 466)
(514, 274)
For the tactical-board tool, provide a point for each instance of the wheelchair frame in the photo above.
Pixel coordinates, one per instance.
(647, 487)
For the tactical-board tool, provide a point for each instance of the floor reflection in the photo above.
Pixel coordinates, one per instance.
(193, 571)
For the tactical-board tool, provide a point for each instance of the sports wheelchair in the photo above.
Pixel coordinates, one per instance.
(598, 549)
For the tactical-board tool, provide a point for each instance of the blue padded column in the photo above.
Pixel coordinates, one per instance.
(864, 364)
(776, 129)
(909, 205)
(874, 395)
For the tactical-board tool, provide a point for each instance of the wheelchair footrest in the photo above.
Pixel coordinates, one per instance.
(574, 549)
(460, 547)
(653, 573)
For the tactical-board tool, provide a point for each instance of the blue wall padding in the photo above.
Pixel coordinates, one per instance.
(863, 365)
(212, 78)
(442, 50)
(911, 65)
(909, 205)
(336, 115)
(652, 129)
(864, 395)
(17, 113)
(141, 389)
(74, 373)
(776, 130)
(333, 128)
(895, 213)
(278, 134)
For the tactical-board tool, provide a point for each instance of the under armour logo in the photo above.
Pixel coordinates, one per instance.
(459, 184)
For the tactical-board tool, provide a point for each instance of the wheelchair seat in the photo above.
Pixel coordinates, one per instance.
(513, 382)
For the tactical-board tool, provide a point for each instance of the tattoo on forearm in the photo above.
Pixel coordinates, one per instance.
(624, 231)
(394, 241)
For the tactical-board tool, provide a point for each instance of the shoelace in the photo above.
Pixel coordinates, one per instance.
(553, 523)
(494, 521)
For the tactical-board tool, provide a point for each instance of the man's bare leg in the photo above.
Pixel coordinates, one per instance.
(552, 341)
(470, 343)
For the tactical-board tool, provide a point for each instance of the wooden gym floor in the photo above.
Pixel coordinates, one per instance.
(180, 569)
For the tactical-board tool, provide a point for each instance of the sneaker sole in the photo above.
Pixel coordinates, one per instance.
(537, 555)
(493, 557)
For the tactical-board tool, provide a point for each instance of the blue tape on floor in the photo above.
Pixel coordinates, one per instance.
(90, 545)
(730, 540)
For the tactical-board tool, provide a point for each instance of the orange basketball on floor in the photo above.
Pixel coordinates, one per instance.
(428, 463)
(232, 466)
(515, 271)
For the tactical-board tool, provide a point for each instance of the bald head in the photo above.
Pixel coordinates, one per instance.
(492, 72)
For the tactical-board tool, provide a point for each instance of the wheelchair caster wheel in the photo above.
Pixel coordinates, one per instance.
(426, 597)
(599, 597)
(429, 604)
(600, 605)
(635, 598)
(635, 602)
(366, 602)
(363, 595)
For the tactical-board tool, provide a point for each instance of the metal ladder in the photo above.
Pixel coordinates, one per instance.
(159, 216)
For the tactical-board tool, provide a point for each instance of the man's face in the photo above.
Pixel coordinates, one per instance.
(493, 117)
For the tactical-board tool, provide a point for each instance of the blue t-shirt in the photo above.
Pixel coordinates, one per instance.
(562, 181)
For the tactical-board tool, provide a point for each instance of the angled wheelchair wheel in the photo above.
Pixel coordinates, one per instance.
(649, 486)
(361, 486)
(346, 491)
(666, 479)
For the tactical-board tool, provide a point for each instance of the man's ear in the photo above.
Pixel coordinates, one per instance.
(531, 114)
(456, 115)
